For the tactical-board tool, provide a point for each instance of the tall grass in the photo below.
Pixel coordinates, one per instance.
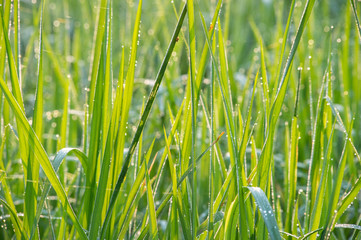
(180, 119)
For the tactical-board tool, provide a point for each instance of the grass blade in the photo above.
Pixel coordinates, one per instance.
(266, 212)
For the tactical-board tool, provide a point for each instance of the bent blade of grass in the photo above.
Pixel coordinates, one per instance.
(56, 164)
(41, 156)
(266, 212)
(143, 119)
(14, 215)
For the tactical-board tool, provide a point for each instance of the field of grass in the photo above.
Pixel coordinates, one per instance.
(180, 119)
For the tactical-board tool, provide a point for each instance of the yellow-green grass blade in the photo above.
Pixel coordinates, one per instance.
(33, 167)
(143, 120)
(266, 96)
(17, 44)
(334, 210)
(41, 155)
(192, 68)
(266, 212)
(97, 49)
(283, 49)
(242, 214)
(6, 11)
(109, 134)
(131, 199)
(170, 140)
(173, 173)
(94, 150)
(203, 60)
(225, 102)
(265, 159)
(292, 160)
(12, 66)
(186, 174)
(210, 227)
(153, 230)
(128, 90)
(320, 202)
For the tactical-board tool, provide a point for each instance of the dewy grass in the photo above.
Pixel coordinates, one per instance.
(180, 119)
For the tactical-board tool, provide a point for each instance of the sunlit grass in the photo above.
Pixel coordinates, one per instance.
(180, 119)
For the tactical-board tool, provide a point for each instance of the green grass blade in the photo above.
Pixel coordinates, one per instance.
(266, 212)
(354, 10)
(153, 230)
(192, 67)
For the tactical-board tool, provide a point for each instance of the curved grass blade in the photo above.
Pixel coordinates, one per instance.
(41, 156)
(14, 216)
(266, 212)
(56, 164)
